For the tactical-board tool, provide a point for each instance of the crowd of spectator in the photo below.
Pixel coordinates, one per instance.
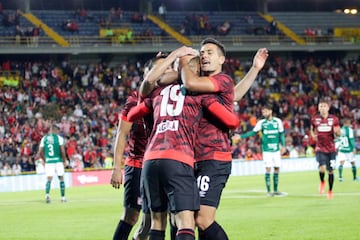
(85, 100)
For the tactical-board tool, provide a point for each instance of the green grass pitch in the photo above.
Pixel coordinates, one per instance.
(245, 211)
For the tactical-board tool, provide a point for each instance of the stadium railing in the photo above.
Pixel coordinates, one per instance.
(233, 43)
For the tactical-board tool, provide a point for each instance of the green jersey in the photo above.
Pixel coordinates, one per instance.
(272, 134)
(347, 140)
(52, 147)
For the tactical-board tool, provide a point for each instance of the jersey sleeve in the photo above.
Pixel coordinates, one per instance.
(139, 111)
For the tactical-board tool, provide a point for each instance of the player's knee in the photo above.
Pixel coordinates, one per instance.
(203, 221)
(131, 216)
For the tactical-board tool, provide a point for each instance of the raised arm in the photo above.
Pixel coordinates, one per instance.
(243, 86)
(158, 74)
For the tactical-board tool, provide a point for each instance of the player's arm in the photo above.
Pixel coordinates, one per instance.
(156, 74)
(138, 111)
(282, 142)
(120, 143)
(337, 131)
(258, 63)
(312, 132)
(192, 81)
(253, 132)
(41, 149)
(224, 115)
(248, 134)
(63, 155)
(147, 87)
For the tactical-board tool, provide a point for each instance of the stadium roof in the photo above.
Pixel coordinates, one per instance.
(187, 5)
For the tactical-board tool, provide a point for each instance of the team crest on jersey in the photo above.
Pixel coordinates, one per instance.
(330, 121)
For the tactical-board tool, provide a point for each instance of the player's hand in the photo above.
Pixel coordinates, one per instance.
(116, 178)
(184, 50)
(184, 60)
(283, 150)
(235, 138)
(260, 58)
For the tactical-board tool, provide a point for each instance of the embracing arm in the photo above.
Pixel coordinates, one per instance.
(192, 81)
(224, 115)
(158, 75)
(138, 112)
(258, 63)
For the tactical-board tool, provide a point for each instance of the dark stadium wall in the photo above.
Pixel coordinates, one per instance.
(185, 5)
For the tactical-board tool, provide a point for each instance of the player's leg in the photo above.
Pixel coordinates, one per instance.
(142, 233)
(132, 203)
(158, 225)
(183, 194)
(341, 160)
(153, 179)
(60, 171)
(212, 178)
(276, 157)
(127, 221)
(268, 163)
(173, 227)
(351, 158)
(208, 228)
(330, 165)
(49, 173)
(276, 179)
(321, 159)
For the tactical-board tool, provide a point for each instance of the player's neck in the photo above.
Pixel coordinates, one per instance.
(324, 115)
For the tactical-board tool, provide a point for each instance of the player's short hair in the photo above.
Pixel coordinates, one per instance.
(269, 106)
(216, 42)
(324, 100)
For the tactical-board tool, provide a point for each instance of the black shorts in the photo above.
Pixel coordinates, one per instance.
(211, 176)
(145, 203)
(328, 159)
(132, 196)
(170, 185)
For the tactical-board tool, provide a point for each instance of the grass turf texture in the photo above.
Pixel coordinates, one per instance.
(245, 211)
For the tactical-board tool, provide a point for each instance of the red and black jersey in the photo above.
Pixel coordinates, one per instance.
(137, 138)
(324, 130)
(176, 121)
(212, 142)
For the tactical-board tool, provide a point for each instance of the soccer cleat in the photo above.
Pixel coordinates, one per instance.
(329, 195)
(269, 194)
(47, 199)
(63, 200)
(357, 179)
(341, 179)
(280, 194)
(322, 187)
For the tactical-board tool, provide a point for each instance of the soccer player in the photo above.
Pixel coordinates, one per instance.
(52, 150)
(168, 170)
(132, 138)
(212, 148)
(273, 145)
(324, 128)
(346, 150)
